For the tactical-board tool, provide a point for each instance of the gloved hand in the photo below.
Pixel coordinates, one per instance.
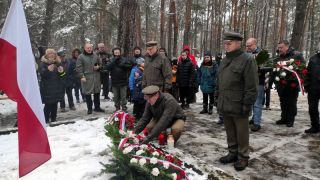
(145, 140)
(246, 109)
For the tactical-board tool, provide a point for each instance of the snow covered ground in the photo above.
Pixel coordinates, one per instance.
(277, 152)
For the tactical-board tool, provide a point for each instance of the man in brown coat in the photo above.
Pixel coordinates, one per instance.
(237, 90)
(157, 69)
(162, 111)
(88, 66)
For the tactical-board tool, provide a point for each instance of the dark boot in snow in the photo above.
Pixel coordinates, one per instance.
(210, 109)
(204, 110)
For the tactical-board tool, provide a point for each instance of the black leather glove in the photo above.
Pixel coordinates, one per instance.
(145, 140)
(246, 109)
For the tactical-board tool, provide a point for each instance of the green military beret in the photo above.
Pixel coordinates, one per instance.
(151, 43)
(230, 35)
(150, 90)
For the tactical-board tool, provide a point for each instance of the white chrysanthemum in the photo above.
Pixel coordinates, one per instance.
(134, 160)
(278, 69)
(155, 171)
(126, 145)
(135, 140)
(127, 150)
(142, 161)
(139, 152)
(291, 60)
(166, 165)
(174, 176)
(290, 67)
(155, 153)
(116, 118)
(279, 62)
(283, 74)
(267, 74)
(153, 160)
(143, 146)
(277, 78)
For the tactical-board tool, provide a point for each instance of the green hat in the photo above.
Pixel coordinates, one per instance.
(151, 43)
(150, 90)
(230, 35)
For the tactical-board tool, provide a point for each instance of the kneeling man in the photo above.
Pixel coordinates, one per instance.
(162, 111)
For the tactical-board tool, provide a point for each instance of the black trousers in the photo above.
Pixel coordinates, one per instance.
(68, 91)
(288, 104)
(205, 99)
(50, 111)
(77, 88)
(313, 101)
(96, 101)
(185, 95)
(105, 85)
(138, 109)
(266, 100)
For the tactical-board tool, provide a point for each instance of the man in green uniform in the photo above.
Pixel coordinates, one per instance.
(236, 91)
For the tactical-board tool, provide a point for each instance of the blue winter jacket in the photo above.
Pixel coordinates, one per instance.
(207, 75)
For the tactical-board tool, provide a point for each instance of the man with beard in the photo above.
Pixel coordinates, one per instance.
(236, 91)
(88, 66)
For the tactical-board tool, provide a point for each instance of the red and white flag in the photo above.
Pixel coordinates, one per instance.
(18, 80)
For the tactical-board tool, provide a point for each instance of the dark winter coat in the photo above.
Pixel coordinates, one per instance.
(312, 83)
(119, 71)
(207, 77)
(237, 83)
(51, 84)
(186, 74)
(85, 69)
(157, 71)
(292, 54)
(69, 67)
(104, 59)
(165, 112)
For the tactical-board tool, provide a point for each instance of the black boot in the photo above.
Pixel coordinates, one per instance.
(241, 164)
(205, 109)
(210, 109)
(230, 158)
(281, 121)
(312, 130)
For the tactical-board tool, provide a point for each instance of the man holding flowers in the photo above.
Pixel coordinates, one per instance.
(289, 72)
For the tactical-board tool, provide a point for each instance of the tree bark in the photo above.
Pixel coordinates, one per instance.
(127, 27)
(282, 22)
(162, 22)
(175, 29)
(46, 32)
(298, 28)
(187, 22)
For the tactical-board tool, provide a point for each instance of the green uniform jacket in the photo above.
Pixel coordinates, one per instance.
(165, 112)
(237, 83)
(84, 67)
(157, 71)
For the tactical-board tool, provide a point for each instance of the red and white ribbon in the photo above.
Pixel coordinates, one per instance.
(297, 76)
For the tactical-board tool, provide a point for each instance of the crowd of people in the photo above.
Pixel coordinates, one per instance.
(161, 88)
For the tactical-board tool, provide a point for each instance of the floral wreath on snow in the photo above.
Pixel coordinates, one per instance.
(141, 157)
(290, 73)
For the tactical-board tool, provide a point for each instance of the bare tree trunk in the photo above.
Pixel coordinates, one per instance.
(147, 20)
(312, 27)
(175, 29)
(187, 22)
(298, 28)
(170, 23)
(282, 23)
(127, 27)
(162, 22)
(275, 28)
(206, 34)
(46, 32)
(267, 26)
(245, 24)
(196, 28)
(235, 13)
(81, 22)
